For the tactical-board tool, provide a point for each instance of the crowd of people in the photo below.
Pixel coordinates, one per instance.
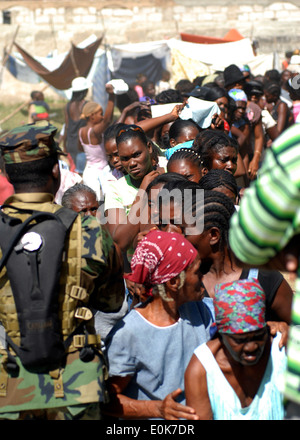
(182, 254)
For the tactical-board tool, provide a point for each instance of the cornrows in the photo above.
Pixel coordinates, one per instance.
(209, 142)
(187, 154)
(217, 179)
(218, 209)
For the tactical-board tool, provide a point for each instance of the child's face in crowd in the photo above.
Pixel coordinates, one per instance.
(113, 155)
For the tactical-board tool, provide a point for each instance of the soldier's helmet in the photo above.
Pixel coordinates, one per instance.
(28, 143)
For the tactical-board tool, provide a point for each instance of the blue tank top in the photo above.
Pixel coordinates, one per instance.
(268, 401)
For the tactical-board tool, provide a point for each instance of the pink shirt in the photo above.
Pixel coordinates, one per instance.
(95, 154)
(296, 110)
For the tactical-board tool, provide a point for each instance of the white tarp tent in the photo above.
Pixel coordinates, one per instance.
(216, 56)
(183, 59)
(158, 49)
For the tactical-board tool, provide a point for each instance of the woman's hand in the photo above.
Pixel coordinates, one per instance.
(217, 123)
(109, 89)
(281, 327)
(172, 410)
(176, 111)
(150, 177)
(253, 168)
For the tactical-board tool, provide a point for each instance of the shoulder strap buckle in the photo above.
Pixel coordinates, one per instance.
(83, 313)
(79, 293)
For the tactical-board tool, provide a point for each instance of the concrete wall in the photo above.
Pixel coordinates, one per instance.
(48, 24)
(43, 26)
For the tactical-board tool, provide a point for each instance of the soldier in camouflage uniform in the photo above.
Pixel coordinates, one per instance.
(92, 268)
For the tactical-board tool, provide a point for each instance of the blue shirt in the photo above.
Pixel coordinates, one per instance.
(267, 403)
(156, 357)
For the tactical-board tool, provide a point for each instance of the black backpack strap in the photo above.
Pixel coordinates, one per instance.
(65, 215)
(19, 233)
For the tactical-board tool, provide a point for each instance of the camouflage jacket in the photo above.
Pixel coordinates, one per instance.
(102, 276)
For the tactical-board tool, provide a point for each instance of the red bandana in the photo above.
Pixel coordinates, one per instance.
(159, 257)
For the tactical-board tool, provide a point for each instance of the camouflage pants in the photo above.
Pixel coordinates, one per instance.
(91, 412)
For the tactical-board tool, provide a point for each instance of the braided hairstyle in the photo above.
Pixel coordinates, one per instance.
(273, 88)
(67, 198)
(208, 142)
(129, 131)
(216, 210)
(165, 178)
(183, 188)
(219, 179)
(185, 154)
(112, 131)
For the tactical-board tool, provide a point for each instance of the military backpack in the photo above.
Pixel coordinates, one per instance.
(32, 252)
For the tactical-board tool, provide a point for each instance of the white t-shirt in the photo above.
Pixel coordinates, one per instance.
(120, 194)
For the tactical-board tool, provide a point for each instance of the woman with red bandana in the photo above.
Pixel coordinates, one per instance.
(149, 349)
(237, 375)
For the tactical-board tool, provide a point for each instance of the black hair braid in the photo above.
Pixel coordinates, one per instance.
(210, 141)
(112, 131)
(69, 194)
(164, 179)
(273, 88)
(218, 209)
(186, 154)
(219, 178)
(131, 131)
(188, 193)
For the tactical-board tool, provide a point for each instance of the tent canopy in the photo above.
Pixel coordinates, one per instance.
(127, 60)
(76, 63)
(232, 35)
(184, 60)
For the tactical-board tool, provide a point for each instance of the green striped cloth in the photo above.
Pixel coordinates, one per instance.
(269, 216)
